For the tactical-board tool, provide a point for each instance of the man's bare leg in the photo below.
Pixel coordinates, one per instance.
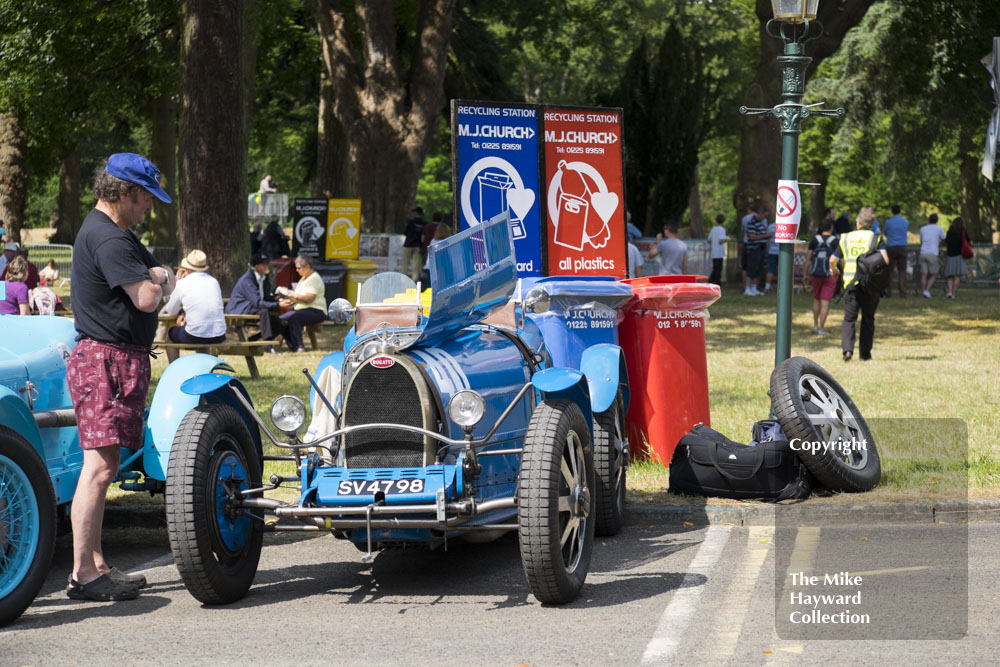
(87, 514)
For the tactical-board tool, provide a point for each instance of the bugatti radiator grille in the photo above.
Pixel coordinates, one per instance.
(390, 396)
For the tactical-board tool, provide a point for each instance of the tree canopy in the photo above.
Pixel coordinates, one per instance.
(351, 98)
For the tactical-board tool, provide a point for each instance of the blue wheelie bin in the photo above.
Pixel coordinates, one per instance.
(583, 311)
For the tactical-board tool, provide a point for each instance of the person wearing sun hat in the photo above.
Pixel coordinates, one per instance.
(115, 288)
(200, 297)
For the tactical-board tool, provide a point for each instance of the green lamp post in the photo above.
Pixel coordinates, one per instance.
(793, 23)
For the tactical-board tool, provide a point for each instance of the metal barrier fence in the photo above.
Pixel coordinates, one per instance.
(983, 268)
(271, 205)
(41, 253)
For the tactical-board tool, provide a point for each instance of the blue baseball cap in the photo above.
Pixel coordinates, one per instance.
(134, 168)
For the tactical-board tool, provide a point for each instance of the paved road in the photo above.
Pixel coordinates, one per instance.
(656, 595)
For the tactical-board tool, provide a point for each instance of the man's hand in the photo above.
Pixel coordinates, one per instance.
(164, 277)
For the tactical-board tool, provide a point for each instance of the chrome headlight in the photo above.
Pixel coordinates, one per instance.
(466, 408)
(340, 311)
(288, 414)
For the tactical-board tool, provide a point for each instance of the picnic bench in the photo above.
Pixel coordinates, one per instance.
(248, 349)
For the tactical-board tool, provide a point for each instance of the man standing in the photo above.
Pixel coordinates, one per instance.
(896, 229)
(634, 261)
(412, 260)
(671, 251)
(115, 288)
(772, 256)
(253, 294)
(266, 188)
(717, 249)
(930, 247)
(755, 235)
(856, 298)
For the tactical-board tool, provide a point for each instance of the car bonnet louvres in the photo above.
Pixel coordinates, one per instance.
(387, 390)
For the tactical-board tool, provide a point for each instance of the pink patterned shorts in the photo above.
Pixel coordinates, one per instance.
(108, 384)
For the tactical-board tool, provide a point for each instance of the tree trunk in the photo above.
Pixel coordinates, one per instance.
(817, 200)
(163, 153)
(968, 168)
(66, 217)
(213, 154)
(332, 174)
(760, 146)
(694, 204)
(390, 114)
(13, 174)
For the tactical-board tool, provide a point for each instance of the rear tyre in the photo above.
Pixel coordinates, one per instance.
(811, 406)
(216, 544)
(610, 465)
(27, 524)
(556, 502)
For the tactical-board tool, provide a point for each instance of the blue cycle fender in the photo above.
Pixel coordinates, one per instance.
(568, 384)
(170, 404)
(604, 366)
(14, 414)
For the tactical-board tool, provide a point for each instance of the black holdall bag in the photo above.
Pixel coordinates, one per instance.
(707, 463)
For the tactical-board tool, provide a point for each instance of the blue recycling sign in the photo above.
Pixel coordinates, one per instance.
(495, 150)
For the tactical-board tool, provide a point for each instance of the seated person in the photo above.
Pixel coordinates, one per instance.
(200, 297)
(13, 291)
(31, 277)
(308, 303)
(43, 300)
(252, 295)
(49, 273)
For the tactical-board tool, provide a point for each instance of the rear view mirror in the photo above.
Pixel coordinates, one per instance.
(536, 300)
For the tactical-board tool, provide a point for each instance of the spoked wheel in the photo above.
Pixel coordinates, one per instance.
(556, 502)
(610, 465)
(811, 406)
(27, 524)
(215, 542)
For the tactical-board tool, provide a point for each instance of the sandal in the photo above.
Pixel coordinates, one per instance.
(124, 578)
(102, 589)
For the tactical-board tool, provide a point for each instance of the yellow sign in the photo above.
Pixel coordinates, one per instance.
(343, 228)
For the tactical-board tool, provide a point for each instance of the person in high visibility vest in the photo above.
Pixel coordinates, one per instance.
(852, 245)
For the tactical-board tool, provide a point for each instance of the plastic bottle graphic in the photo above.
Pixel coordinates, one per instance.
(574, 208)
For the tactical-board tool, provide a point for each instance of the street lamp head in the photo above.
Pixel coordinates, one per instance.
(794, 11)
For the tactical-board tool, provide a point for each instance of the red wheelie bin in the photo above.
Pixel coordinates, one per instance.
(663, 336)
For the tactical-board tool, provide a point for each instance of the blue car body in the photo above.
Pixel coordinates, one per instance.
(390, 465)
(39, 435)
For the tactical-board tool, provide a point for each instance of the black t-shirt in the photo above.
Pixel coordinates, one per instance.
(414, 232)
(104, 259)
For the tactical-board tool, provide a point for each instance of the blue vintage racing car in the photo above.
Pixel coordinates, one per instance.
(428, 427)
(40, 454)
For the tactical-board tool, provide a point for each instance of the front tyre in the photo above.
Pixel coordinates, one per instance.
(556, 502)
(811, 406)
(216, 544)
(610, 465)
(27, 524)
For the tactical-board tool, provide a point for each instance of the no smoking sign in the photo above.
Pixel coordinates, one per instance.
(788, 213)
